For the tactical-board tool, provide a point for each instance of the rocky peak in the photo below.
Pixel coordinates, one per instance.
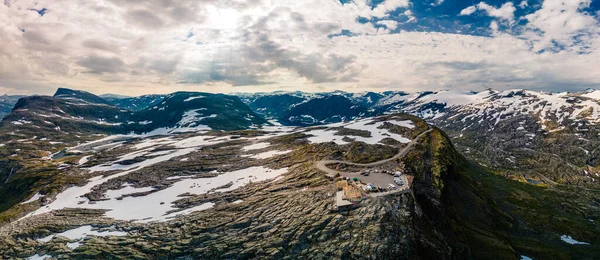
(70, 94)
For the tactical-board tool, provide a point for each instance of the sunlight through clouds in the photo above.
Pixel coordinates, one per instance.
(262, 45)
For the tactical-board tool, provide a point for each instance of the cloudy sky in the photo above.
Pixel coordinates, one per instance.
(158, 46)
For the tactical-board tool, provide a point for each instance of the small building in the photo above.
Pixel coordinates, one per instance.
(341, 203)
(353, 194)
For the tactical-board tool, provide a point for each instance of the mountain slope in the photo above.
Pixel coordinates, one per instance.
(134, 103)
(329, 106)
(274, 106)
(272, 218)
(39, 128)
(334, 108)
(259, 195)
(48, 119)
(79, 95)
(71, 112)
(189, 110)
(537, 137)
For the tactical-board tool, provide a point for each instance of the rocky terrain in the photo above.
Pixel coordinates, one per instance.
(257, 194)
(39, 128)
(232, 186)
(536, 137)
(540, 138)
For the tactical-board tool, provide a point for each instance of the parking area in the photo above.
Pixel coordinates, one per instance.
(376, 182)
(375, 178)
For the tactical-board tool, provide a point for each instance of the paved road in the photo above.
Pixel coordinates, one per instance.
(322, 165)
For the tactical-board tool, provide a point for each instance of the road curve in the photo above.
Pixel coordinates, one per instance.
(322, 165)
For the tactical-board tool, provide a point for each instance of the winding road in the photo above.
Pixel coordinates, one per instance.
(322, 165)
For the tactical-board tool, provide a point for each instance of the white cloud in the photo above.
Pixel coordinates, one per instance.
(505, 12)
(561, 20)
(523, 4)
(409, 15)
(469, 10)
(451, 61)
(494, 27)
(389, 6)
(437, 2)
(390, 24)
(103, 46)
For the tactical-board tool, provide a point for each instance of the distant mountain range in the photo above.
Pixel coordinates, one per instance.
(533, 136)
(7, 103)
(70, 114)
(134, 103)
(304, 109)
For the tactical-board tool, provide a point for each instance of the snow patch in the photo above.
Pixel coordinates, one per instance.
(193, 98)
(84, 160)
(268, 154)
(324, 136)
(154, 206)
(82, 232)
(35, 197)
(570, 240)
(191, 118)
(256, 146)
(39, 257)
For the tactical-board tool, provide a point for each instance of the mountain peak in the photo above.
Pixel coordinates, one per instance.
(66, 93)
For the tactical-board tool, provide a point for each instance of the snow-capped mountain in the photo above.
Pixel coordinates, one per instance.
(494, 106)
(510, 129)
(489, 105)
(542, 137)
(302, 109)
(197, 110)
(71, 115)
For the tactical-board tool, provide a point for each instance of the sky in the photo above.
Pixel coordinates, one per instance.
(135, 47)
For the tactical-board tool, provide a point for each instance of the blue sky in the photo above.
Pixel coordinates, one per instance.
(444, 16)
(157, 46)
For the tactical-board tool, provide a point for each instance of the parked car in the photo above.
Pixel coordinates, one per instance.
(398, 181)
